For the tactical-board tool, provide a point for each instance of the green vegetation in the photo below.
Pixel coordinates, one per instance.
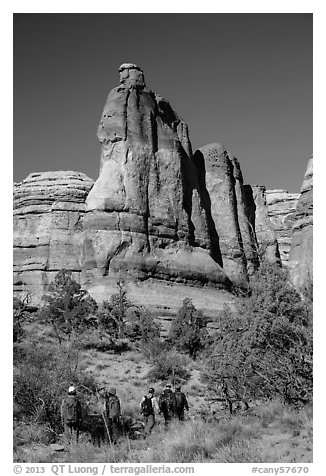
(67, 307)
(189, 329)
(249, 384)
(264, 349)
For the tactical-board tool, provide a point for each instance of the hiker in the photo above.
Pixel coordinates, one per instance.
(94, 419)
(112, 413)
(71, 415)
(148, 407)
(181, 403)
(167, 404)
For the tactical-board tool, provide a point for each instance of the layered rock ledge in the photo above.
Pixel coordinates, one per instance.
(48, 208)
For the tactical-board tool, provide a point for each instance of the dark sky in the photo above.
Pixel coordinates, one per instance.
(244, 80)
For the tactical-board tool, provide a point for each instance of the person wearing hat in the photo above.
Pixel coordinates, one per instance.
(112, 414)
(181, 403)
(167, 404)
(71, 415)
(148, 407)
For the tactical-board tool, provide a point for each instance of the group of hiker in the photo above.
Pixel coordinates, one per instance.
(170, 404)
(105, 416)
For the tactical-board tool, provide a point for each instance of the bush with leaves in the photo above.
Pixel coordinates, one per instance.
(265, 347)
(20, 315)
(188, 331)
(112, 314)
(169, 365)
(68, 308)
(42, 376)
(141, 327)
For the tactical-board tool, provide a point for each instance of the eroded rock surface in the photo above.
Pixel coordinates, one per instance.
(144, 217)
(301, 253)
(218, 186)
(281, 211)
(168, 223)
(48, 208)
(257, 210)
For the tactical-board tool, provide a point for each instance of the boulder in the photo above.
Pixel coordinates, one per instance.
(301, 252)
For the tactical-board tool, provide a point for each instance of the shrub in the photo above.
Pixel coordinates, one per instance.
(20, 316)
(67, 307)
(141, 327)
(112, 314)
(41, 379)
(189, 330)
(265, 347)
(169, 366)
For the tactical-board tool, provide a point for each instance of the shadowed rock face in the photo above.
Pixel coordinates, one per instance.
(217, 181)
(266, 240)
(301, 253)
(48, 208)
(144, 217)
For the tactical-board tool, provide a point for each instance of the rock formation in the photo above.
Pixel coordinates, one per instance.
(301, 253)
(168, 223)
(281, 211)
(48, 208)
(144, 217)
(257, 210)
(222, 188)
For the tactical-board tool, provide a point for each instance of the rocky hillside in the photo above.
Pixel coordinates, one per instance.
(168, 222)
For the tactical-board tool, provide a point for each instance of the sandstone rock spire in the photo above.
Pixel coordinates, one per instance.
(144, 214)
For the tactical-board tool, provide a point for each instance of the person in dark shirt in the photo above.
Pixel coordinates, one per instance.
(181, 403)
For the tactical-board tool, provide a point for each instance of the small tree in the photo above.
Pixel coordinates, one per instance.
(169, 365)
(112, 315)
(20, 315)
(68, 307)
(141, 327)
(264, 348)
(188, 331)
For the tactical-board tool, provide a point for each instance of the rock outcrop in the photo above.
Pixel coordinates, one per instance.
(167, 222)
(301, 253)
(281, 211)
(48, 208)
(144, 216)
(257, 210)
(222, 192)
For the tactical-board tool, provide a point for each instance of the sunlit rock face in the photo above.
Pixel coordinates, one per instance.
(281, 211)
(301, 253)
(169, 223)
(48, 209)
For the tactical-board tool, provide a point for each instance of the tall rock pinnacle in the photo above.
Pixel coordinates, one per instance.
(144, 216)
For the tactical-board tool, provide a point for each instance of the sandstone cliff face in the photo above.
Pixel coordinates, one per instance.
(301, 253)
(281, 211)
(48, 207)
(144, 217)
(170, 224)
